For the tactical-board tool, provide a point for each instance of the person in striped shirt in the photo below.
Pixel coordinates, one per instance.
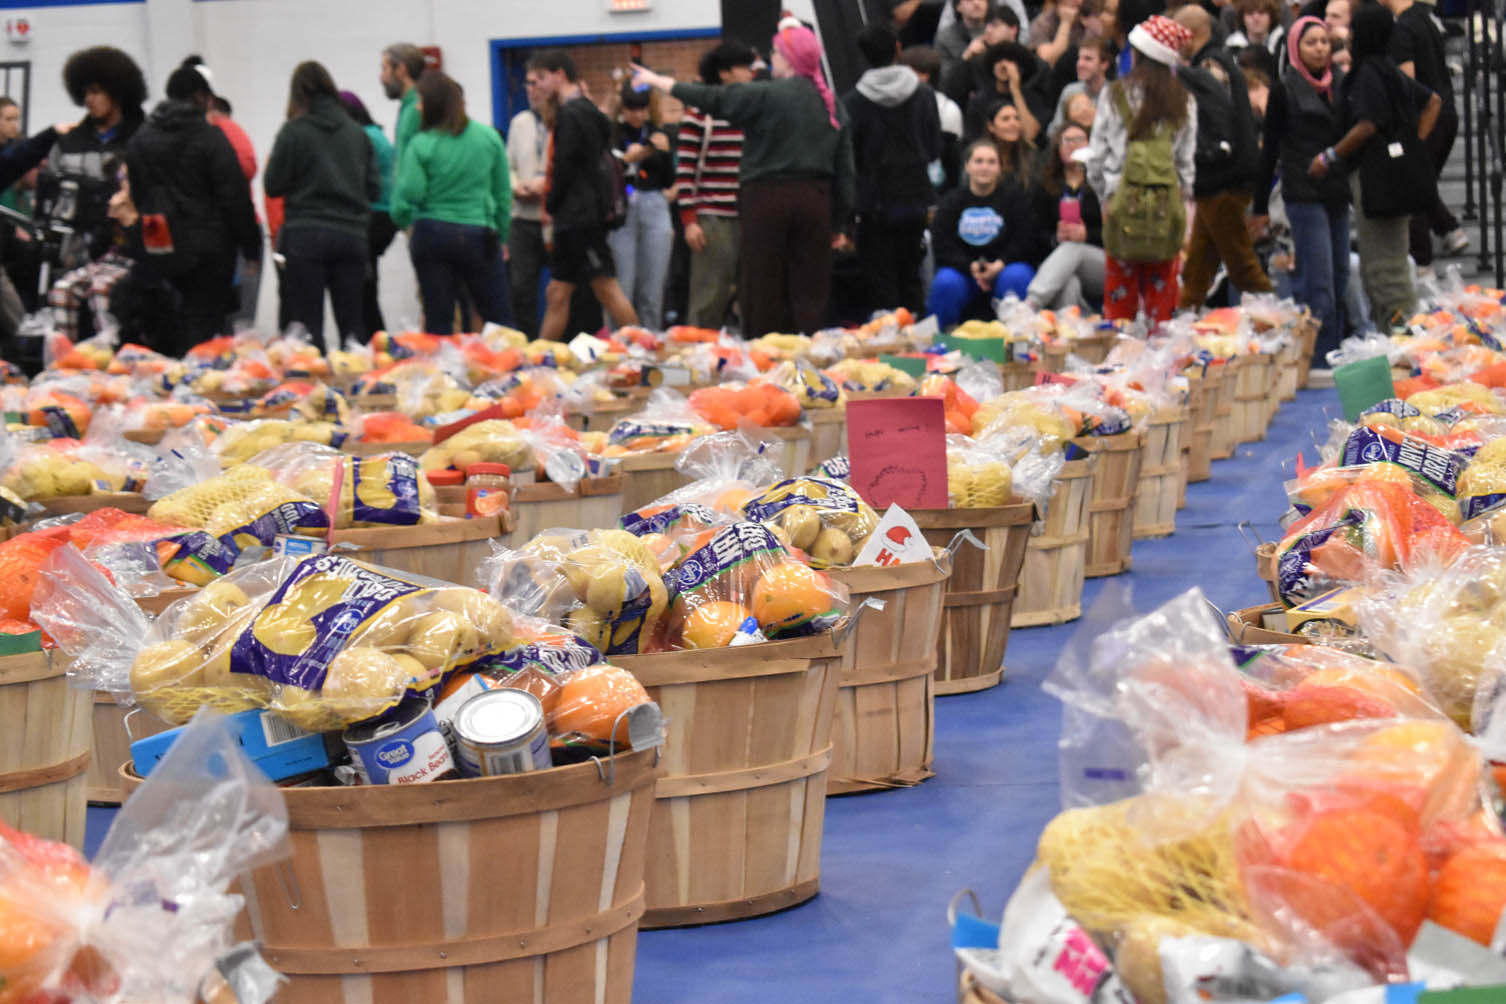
(708, 155)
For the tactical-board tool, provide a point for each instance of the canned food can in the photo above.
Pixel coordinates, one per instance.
(404, 746)
(501, 732)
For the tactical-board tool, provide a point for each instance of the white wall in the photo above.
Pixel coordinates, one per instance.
(251, 46)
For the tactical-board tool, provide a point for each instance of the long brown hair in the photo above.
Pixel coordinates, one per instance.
(1014, 158)
(1162, 97)
(443, 102)
(1054, 172)
(310, 80)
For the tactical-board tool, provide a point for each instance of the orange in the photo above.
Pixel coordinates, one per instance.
(1469, 893)
(1378, 681)
(788, 595)
(713, 625)
(1371, 855)
(592, 700)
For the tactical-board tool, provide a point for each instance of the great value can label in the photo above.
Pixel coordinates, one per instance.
(406, 747)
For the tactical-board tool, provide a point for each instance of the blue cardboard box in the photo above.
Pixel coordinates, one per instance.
(281, 750)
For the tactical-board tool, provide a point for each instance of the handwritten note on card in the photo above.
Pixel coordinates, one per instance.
(897, 447)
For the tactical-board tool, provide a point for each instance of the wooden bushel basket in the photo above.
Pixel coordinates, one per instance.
(1286, 370)
(1018, 374)
(794, 452)
(1265, 567)
(605, 415)
(741, 807)
(112, 745)
(1201, 398)
(969, 991)
(1251, 626)
(357, 449)
(1161, 469)
(981, 592)
(1095, 348)
(828, 435)
(648, 477)
(44, 757)
(595, 504)
(1111, 518)
(519, 887)
(1306, 333)
(1254, 377)
(1051, 580)
(885, 726)
(66, 505)
(448, 550)
(1222, 447)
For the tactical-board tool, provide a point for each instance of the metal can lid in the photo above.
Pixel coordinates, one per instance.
(497, 716)
(395, 719)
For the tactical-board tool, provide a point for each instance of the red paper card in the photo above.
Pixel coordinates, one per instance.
(897, 448)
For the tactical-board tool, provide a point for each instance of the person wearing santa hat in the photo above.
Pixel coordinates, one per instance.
(798, 183)
(1155, 98)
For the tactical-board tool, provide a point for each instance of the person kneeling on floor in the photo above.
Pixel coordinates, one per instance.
(983, 234)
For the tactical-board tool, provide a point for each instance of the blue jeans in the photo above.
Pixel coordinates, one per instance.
(452, 256)
(641, 248)
(1321, 240)
(952, 291)
(319, 259)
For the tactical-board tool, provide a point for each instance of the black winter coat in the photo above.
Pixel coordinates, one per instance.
(179, 153)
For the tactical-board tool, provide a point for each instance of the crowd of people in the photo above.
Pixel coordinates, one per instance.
(1114, 155)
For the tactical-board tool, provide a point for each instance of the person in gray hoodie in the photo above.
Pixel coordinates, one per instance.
(896, 137)
(324, 166)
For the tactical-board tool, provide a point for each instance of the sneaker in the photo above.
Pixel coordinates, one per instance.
(1455, 241)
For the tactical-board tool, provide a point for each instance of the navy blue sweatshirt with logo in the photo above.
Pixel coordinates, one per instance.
(997, 226)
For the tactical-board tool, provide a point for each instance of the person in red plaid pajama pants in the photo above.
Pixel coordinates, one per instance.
(89, 284)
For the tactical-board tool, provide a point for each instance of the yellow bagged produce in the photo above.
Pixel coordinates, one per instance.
(242, 507)
(240, 442)
(825, 518)
(326, 641)
(494, 441)
(387, 489)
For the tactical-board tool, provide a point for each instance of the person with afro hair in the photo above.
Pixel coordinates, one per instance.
(74, 189)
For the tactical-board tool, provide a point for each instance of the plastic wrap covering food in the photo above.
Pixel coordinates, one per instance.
(727, 470)
(244, 440)
(1381, 453)
(1465, 396)
(422, 387)
(1315, 847)
(825, 519)
(61, 413)
(148, 415)
(1034, 409)
(59, 468)
(493, 441)
(387, 489)
(990, 470)
(152, 918)
(140, 362)
(958, 404)
(812, 388)
(759, 402)
(325, 642)
(736, 583)
(604, 585)
(870, 376)
(243, 507)
(143, 554)
(303, 401)
(351, 360)
(1376, 522)
(666, 424)
(388, 427)
(92, 353)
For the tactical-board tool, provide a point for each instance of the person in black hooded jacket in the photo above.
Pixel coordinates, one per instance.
(324, 166)
(896, 135)
(185, 169)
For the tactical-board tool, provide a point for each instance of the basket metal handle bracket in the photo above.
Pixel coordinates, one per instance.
(288, 879)
(842, 632)
(1223, 620)
(1248, 532)
(608, 776)
(126, 723)
(951, 908)
(964, 536)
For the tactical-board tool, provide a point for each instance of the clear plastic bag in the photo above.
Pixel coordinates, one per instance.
(151, 917)
(493, 441)
(824, 519)
(386, 489)
(244, 440)
(244, 507)
(666, 424)
(812, 388)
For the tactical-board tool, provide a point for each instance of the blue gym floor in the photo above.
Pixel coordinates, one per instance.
(892, 860)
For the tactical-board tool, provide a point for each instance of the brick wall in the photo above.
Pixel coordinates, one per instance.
(678, 58)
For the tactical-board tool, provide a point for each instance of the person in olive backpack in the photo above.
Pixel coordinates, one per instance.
(324, 167)
(1301, 121)
(1141, 166)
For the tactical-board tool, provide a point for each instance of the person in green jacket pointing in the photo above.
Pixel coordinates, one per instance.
(325, 169)
(454, 188)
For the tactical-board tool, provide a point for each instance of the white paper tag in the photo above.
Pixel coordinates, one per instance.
(587, 348)
(1394, 149)
(896, 540)
(675, 376)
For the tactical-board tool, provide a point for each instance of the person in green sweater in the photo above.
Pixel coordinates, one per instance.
(380, 232)
(454, 188)
(325, 170)
(402, 65)
(797, 180)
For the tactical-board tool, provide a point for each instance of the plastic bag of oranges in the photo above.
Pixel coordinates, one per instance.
(759, 402)
(737, 583)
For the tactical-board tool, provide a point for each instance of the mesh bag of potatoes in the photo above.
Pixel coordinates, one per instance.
(604, 585)
(244, 440)
(824, 518)
(382, 490)
(493, 441)
(325, 642)
(738, 583)
(243, 507)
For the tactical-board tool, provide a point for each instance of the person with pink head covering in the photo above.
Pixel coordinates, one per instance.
(1301, 121)
(797, 180)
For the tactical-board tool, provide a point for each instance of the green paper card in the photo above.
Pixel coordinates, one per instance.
(914, 366)
(20, 644)
(992, 349)
(1362, 384)
(1464, 995)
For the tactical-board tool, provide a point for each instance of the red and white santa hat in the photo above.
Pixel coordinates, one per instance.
(1160, 38)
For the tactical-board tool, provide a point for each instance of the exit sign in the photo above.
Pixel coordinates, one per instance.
(628, 6)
